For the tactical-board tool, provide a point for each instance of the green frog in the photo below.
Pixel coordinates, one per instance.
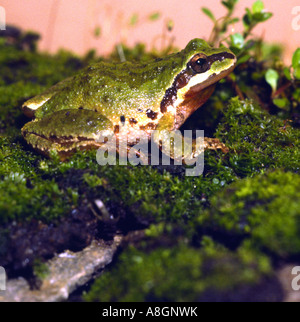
(127, 97)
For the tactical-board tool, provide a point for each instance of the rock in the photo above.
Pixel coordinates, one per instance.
(67, 272)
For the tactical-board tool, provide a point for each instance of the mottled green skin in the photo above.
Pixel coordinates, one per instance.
(111, 90)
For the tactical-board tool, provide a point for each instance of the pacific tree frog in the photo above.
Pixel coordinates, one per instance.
(156, 95)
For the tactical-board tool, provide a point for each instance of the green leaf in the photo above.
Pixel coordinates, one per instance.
(287, 73)
(272, 78)
(227, 23)
(248, 12)
(297, 72)
(281, 102)
(247, 19)
(249, 44)
(97, 32)
(134, 19)
(267, 16)
(262, 16)
(170, 25)
(208, 13)
(243, 59)
(296, 59)
(296, 95)
(227, 4)
(154, 16)
(235, 50)
(256, 76)
(230, 4)
(258, 6)
(233, 20)
(237, 40)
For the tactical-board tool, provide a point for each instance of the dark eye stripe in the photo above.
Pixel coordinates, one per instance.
(201, 64)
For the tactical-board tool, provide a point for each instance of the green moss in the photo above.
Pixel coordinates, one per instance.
(40, 269)
(14, 159)
(179, 273)
(258, 141)
(43, 201)
(92, 180)
(264, 209)
(11, 99)
(24, 193)
(143, 191)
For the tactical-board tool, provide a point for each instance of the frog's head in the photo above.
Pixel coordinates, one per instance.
(206, 65)
(201, 67)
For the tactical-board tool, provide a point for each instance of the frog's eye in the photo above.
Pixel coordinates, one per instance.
(199, 64)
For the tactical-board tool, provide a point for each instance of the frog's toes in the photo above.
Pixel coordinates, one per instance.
(215, 144)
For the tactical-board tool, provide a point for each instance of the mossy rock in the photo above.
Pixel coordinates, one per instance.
(258, 140)
(263, 209)
(183, 273)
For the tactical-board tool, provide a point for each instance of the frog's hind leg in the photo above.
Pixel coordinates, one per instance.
(66, 131)
(187, 151)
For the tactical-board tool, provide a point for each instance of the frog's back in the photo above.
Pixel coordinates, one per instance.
(115, 89)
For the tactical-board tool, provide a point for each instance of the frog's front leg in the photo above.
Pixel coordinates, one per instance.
(186, 150)
(66, 131)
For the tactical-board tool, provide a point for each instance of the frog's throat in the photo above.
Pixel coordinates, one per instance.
(189, 83)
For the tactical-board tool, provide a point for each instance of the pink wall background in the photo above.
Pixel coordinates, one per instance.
(70, 24)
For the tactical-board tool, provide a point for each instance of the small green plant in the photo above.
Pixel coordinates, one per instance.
(260, 73)
(285, 85)
(296, 64)
(237, 41)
